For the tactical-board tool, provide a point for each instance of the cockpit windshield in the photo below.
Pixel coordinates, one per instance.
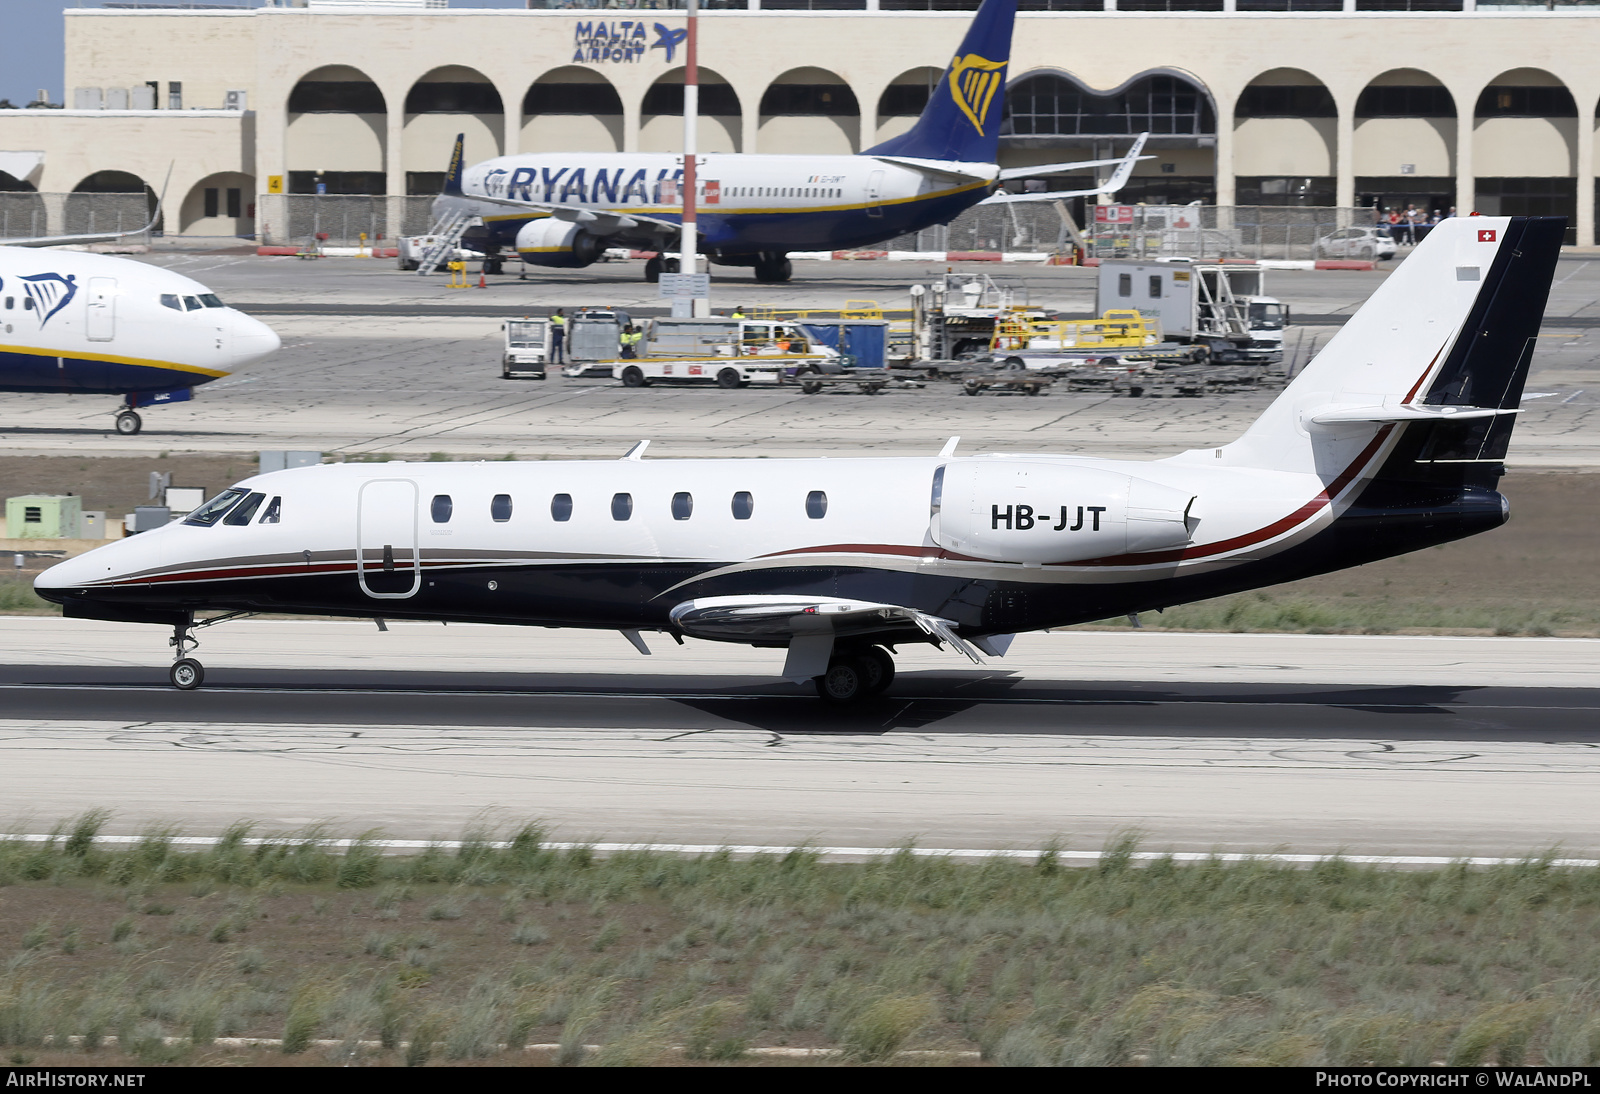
(214, 510)
(211, 300)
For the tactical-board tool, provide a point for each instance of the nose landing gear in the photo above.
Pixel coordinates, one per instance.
(856, 675)
(186, 673)
(128, 423)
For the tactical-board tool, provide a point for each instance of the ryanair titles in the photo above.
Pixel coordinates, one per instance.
(578, 185)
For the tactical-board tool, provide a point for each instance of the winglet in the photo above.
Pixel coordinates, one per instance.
(452, 178)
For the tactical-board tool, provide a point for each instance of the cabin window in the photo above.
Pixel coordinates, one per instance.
(500, 508)
(744, 503)
(170, 300)
(442, 508)
(211, 512)
(1155, 287)
(274, 512)
(816, 505)
(11, 302)
(27, 304)
(1124, 284)
(621, 506)
(682, 506)
(245, 510)
(561, 507)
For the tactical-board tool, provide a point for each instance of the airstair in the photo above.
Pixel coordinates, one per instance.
(446, 237)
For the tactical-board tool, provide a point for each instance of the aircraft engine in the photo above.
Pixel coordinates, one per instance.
(1042, 511)
(552, 242)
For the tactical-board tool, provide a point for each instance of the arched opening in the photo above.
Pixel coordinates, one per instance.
(809, 110)
(1525, 147)
(572, 109)
(1286, 135)
(661, 114)
(22, 211)
(904, 99)
(223, 204)
(1405, 144)
(336, 136)
(110, 201)
(449, 100)
(1052, 116)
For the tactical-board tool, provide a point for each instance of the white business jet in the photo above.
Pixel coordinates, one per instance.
(1389, 441)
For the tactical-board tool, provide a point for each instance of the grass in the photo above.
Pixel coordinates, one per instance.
(1278, 612)
(654, 957)
(18, 598)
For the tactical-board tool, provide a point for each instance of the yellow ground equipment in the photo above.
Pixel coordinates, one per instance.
(1116, 329)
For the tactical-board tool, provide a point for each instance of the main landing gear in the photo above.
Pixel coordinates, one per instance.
(856, 675)
(660, 264)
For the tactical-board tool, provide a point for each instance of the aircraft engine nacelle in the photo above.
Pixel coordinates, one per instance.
(1037, 511)
(552, 242)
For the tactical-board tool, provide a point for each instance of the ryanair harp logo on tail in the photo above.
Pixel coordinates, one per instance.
(973, 82)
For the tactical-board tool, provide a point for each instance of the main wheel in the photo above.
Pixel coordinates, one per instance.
(774, 270)
(878, 666)
(811, 387)
(971, 387)
(129, 423)
(633, 376)
(845, 682)
(729, 378)
(652, 269)
(187, 674)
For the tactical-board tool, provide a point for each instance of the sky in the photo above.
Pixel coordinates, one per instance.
(31, 42)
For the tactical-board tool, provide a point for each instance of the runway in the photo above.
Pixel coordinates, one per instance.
(1204, 742)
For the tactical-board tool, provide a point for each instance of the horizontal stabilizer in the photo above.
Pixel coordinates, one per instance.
(1335, 414)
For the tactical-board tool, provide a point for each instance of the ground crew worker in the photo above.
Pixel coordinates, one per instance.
(738, 313)
(630, 342)
(558, 338)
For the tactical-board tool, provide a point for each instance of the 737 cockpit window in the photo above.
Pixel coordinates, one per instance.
(246, 509)
(170, 300)
(211, 300)
(211, 512)
(192, 303)
(274, 512)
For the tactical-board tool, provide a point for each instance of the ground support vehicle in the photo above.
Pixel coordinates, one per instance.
(869, 381)
(1190, 380)
(1006, 381)
(593, 341)
(954, 316)
(527, 349)
(731, 353)
(1222, 306)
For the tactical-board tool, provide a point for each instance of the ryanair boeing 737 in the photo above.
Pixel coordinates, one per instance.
(564, 209)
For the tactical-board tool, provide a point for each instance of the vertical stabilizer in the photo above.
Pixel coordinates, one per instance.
(452, 177)
(1441, 351)
(962, 118)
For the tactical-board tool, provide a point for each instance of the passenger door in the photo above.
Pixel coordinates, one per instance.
(101, 324)
(387, 566)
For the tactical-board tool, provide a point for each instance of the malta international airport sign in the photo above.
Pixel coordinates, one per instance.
(622, 41)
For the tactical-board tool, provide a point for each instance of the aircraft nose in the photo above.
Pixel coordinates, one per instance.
(70, 574)
(249, 339)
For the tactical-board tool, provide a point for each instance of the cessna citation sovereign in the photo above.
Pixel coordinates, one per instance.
(564, 209)
(1390, 440)
(87, 324)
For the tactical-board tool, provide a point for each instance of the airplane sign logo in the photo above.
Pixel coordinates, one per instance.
(973, 83)
(50, 292)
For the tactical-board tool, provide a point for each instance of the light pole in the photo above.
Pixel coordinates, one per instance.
(683, 302)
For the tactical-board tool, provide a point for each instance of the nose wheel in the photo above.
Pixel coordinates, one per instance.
(187, 674)
(128, 423)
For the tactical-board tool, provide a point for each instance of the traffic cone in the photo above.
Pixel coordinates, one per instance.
(482, 284)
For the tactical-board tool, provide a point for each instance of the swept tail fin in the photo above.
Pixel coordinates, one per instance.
(962, 119)
(452, 178)
(1448, 335)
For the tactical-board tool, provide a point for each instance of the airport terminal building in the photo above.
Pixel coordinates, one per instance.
(1438, 103)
